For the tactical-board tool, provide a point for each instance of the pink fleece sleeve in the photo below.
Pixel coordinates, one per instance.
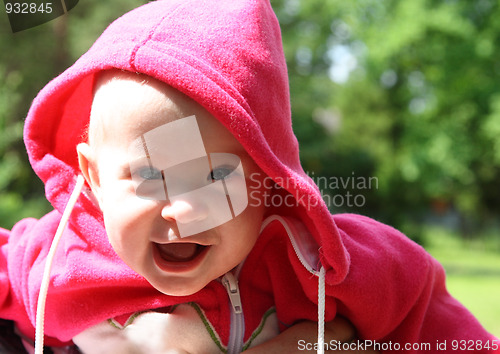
(4, 274)
(12, 243)
(395, 291)
(22, 251)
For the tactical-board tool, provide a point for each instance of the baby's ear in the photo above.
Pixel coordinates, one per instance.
(88, 167)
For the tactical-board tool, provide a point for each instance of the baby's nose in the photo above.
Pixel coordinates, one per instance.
(184, 212)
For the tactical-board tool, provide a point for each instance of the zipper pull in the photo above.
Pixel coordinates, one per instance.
(231, 284)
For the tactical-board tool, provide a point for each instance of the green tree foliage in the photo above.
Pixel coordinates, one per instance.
(420, 109)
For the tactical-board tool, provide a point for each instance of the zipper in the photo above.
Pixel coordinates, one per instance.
(297, 249)
(230, 282)
(235, 344)
(299, 255)
(301, 251)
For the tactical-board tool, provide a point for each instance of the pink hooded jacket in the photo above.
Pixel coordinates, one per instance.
(226, 55)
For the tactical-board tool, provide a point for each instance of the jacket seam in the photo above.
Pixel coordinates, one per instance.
(149, 37)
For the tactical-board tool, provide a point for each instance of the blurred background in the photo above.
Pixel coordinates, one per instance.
(396, 105)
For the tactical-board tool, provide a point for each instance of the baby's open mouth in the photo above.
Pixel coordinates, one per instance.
(180, 251)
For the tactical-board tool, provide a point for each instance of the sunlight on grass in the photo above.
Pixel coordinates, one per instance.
(473, 273)
(481, 296)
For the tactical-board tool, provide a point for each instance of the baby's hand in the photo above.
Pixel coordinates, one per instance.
(304, 335)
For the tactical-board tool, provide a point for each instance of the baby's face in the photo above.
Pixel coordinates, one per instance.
(173, 185)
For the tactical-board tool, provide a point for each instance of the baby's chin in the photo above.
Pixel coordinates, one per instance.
(176, 288)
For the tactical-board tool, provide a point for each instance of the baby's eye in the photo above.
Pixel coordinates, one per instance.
(220, 173)
(150, 173)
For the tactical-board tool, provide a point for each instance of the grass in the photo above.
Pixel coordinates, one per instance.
(473, 272)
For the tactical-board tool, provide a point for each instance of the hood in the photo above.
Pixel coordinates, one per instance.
(227, 55)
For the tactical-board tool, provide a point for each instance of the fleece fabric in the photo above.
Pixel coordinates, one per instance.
(226, 55)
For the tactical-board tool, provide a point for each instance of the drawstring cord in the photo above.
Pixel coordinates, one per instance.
(321, 311)
(42, 296)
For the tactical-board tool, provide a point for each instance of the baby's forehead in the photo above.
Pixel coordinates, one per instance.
(126, 104)
(117, 96)
(127, 107)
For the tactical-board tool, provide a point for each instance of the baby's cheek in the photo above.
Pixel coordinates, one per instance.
(125, 232)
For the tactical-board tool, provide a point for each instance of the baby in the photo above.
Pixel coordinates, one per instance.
(153, 162)
(178, 118)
